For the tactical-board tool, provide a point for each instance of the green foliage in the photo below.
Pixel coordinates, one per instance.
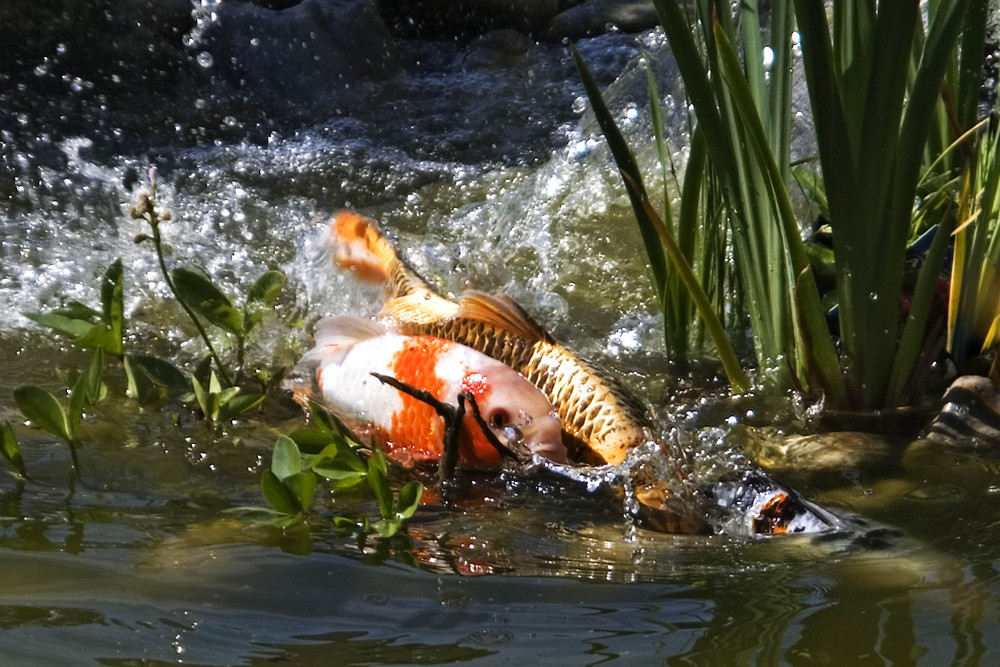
(887, 137)
(46, 412)
(290, 484)
(221, 405)
(91, 328)
(10, 450)
(973, 312)
(659, 239)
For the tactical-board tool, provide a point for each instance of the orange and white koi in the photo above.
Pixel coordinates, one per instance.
(338, 371)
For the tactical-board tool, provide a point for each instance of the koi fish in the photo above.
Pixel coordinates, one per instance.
(338, 371)
(601, 421)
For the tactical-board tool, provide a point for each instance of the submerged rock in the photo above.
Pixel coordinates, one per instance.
(821, 453)
(970, 418)
(594, 18)
(301, 51)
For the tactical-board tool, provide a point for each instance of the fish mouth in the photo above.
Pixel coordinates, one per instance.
(554, 451)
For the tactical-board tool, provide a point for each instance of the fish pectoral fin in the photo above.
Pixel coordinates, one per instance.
(336, 335)
(501, 312)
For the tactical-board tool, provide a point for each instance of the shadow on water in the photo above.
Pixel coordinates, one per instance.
(137, 563)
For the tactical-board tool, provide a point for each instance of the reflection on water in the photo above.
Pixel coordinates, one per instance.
(137, 563)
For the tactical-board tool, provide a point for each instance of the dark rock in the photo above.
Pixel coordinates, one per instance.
(498, 48)
(98, 44)
(593, 18)
(301, 51)
(447, 20)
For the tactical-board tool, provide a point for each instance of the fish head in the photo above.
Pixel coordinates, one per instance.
(518, 413)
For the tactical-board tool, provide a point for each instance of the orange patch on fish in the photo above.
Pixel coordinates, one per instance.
(417, 430)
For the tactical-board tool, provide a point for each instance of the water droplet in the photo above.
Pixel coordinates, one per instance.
(768, 59)
(205, 59)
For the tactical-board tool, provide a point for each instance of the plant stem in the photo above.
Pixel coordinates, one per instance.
(154, 222)
(72, 453)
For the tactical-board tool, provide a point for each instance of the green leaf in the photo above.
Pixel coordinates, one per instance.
(409, 499)
(213, 384)
(286, 459)
(311, 439)
(113, 305)
(161, 372)
(378, 480)
(101, 336)
(94, 378)
(344, 470)
(42, 409)
(276, 494)
(139, 384)
(238, 405)
(10, 450)
(68, 325)
(207, 300)
(301, 486)
(204, 370)
(322, 418)
(266, 289)
(202, 396)
(387, 527)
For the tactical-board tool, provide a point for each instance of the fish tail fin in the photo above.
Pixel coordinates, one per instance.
(357, 245)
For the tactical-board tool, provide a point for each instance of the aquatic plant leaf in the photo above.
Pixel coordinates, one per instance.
(658, 239)
(409, 499)
(202, 397)
(10, 450)
(387, 527)
(42, 409)
(161, 372)
(301, 487)
(344, 468)
(330, 423)
(286, 459)
(238, 405)
(68, 325)
(213, 384)
(378, 480)
(207, 300)
(276, 494)
(266, 289)
(812, 183)
(113, 306)
(139, 385)
(94, 379)
(312, 440)
(102, 336)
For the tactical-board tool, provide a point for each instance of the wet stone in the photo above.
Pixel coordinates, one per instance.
(593, 18)
(822, 453)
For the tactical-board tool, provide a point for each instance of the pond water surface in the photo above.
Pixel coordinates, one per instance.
(137, 563)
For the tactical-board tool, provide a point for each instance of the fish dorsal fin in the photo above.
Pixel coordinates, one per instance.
(502, 312)
(419, 307)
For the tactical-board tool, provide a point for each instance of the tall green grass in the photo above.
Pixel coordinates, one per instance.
(889, 95)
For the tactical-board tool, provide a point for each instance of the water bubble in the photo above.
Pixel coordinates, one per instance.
(204, 59)
(768, 59)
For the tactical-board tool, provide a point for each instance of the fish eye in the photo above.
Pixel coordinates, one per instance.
(499, 418)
